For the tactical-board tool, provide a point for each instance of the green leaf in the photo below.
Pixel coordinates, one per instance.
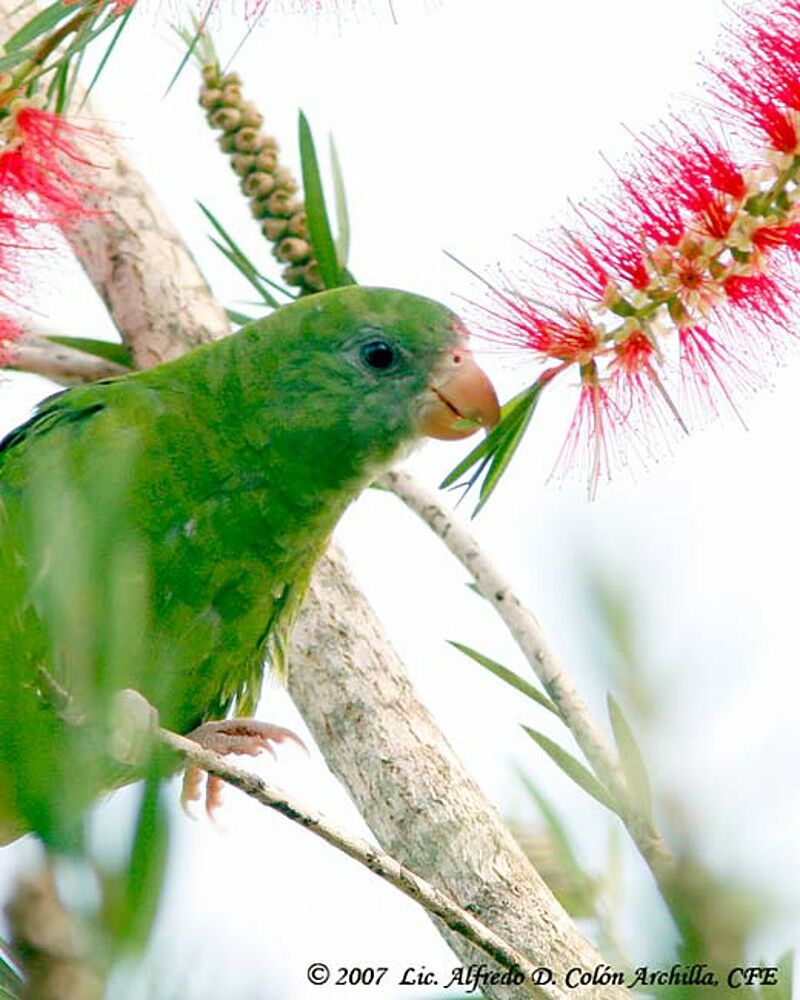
(123, 20)
(39, 24)
(631, 759)
(191, 45)
(558, 832)
(487, 445)
(514, 680)
(14, 59)
(58, 86)
(144, 875)
(231, 250)
(498, 447)
(319, 228)
(573, 768)
(109, 350)
(11, 983)
(342, 215)
(239, 319)
(783, 990)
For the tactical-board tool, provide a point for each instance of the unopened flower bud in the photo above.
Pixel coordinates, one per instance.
(298, 225)
(226, 119)
(294, 275)
(267, 160)
(227, 142)
(281, 203)
(243, 163)
(273, 229)
(257, 184)
(232, 97)
(284, 180)
(231, 80)
(251, 115)
(312, 276)
(248, 140)
(211, 75)
(292, 250)
(209, 98)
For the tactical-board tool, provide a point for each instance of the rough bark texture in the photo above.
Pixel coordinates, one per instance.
(423, 807)
(348, 683)
(58, 362)
(158, 298)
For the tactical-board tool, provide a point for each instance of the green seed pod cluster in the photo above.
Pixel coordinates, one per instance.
(267, 184)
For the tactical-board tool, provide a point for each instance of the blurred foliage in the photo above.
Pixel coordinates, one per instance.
(718, 916)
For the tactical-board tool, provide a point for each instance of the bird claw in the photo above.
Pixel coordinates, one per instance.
(246, 737)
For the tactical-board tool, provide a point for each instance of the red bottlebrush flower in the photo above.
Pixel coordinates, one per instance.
(698, 175)
(590, 439)
(43, 182)
(696, 244)
(43, 168)
(10, 332)
(769, 237)
(567, 337)
(711, 374)
(758, 82)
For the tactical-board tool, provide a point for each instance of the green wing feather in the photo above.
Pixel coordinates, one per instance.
(158, 531)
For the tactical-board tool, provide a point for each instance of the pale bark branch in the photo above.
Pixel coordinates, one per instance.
(420, 803)
(438, 903)
(527, 633)
(62, 364)
(345, 678)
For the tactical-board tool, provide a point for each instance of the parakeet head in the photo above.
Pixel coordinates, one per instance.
(375, 368)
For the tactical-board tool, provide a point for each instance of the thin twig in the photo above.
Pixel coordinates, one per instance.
(527, 633)
(377, 861)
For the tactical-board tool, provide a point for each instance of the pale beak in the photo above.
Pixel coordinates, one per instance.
(461, 399)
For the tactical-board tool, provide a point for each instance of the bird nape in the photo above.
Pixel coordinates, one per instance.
(158, 530)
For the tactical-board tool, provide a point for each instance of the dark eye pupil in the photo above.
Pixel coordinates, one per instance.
(378, 354)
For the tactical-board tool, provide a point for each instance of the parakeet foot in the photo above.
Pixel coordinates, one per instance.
(247, 737)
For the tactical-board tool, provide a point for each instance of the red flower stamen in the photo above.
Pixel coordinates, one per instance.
(695, 244)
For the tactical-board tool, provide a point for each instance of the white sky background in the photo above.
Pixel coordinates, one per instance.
(465, 123)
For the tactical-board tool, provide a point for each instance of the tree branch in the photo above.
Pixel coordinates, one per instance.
(381, 742)
(37, 355)
(527, 633)
(438, 903)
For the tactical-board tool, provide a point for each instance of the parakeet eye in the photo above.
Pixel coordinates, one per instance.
(378, 354)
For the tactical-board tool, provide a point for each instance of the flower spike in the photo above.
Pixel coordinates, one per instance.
(693, 256)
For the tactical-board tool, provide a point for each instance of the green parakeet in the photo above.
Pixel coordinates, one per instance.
(158, 531)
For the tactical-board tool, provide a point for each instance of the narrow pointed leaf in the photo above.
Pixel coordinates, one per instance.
(342, 215)
(190, 47)
(233, 252)
(123, 20)
(485, 447)
(319, 227)
(39, 24)
(145, 872)
(512, 679)
(555, 826)
(11, 983)
(238, 318)
(14, 59)
(572, 768)
(631, 758)
(505, 452)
